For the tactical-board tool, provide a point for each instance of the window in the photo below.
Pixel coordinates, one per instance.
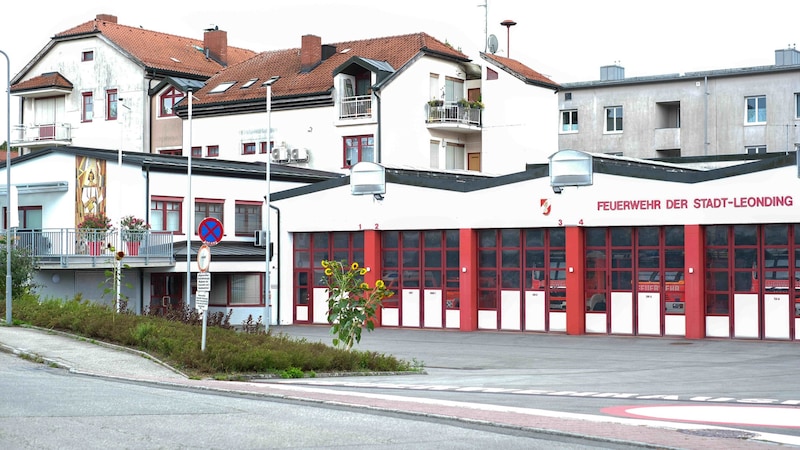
(197, 152)
(87, 55)
(434, 149)
(168, 100)
(222, 87)
(248, 83)
(165, 213)
(212, 150)
(208, 208)
(357, 149)
(111, 104)
(455, 157)
(614, 119)
(263, 146)
(87, 110)
(756, 149)
(236, 289)
(453, 89)
(756, 109)
(249, 148)
(171, 151)
(567, 96)
(569, 120)
(30, 217)
(248, 217)
(797, 106)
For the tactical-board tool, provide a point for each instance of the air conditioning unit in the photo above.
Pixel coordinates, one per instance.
(260, 238)
(300, 154)
(280, 154)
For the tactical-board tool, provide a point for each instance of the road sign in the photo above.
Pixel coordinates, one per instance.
(201, 301)
(210, 231)
(203, 258)
(204, 282)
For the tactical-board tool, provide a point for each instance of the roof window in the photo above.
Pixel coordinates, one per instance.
(222, 87)
(248, 83)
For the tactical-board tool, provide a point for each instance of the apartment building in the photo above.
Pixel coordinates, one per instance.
(748, 110)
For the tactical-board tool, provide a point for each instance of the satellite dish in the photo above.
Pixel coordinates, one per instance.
(492, 44)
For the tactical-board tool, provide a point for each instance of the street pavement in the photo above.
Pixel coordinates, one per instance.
(705, 390)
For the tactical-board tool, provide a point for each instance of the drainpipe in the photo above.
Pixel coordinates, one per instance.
(378, 139)
(278, 255)
(705, 98)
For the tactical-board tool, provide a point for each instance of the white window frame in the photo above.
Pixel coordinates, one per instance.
(755, 103)
(617, 116)
(455, 156)
(569, 125)
(755, 149)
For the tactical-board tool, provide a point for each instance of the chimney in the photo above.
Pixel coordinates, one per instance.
(215, 45)
(310, 52)
(106, 18)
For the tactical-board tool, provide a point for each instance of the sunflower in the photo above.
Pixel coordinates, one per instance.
(354, 266)
(363, 271)
(364, 286)
(380, 284)
(325, 263)
(328, 271)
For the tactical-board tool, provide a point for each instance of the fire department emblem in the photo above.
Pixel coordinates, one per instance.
(544, 204)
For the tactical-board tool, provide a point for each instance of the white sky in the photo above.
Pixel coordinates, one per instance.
(565, 40)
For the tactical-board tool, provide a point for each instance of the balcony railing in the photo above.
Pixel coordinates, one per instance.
(70, 247)
(357, 107)
(453, 113)
(41, 134)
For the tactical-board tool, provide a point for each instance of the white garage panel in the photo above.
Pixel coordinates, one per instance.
(622, 312)
(301, 314)
(717, 326)
(410, 308)
(487, 320)
(390, 317)
(558, 321)
(510, 311)
(432, 314)
(596, 323)
(320, 306)
(675, 325)
(776, 316)
(534, 311)
(745, 316)
(452, 318)
(648, 313)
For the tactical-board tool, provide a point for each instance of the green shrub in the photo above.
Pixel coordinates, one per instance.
(176, 340)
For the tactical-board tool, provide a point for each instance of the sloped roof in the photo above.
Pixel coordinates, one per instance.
(520, 71)
(394, 51)
(47, 80)
(156, 50)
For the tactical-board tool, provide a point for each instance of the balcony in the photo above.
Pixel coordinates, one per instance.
(69, 248)
(41, 135)
(667, 138)
(356, 107)
(453, 115)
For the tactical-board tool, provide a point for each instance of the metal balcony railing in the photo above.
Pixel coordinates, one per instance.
(453, 113)
(357, 107)
(41, 134)
(67, 247)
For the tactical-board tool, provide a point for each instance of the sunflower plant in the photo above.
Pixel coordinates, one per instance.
(352, 302)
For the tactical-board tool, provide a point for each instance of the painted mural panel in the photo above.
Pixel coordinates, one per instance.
(90, 187)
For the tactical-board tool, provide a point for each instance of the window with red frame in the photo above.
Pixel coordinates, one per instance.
(166, 213)
(248, 217)
(206, 207)
(111, 104)
(87, 107)
(168, 100)
(358, 148)
(173, 151)
(249, 148)
(197, 152)
(212, 150)
(264, 146)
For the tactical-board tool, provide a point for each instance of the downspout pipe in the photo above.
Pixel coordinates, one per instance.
(376, 91)
(278, 269)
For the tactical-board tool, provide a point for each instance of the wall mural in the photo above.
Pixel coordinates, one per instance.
(90, 189)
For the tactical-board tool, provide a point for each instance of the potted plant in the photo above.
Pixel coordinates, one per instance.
(94, 229)
(435, 102)
(133, 231)
(464, 103)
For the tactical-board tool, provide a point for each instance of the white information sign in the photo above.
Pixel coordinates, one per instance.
(204, 282)
(201, 301)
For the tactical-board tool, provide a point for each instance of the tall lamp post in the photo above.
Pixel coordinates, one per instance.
(189, 213)
(508, 24)
(268, 240)
(8, 189)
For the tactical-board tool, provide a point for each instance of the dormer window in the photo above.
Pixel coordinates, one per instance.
(168, 100)
(222, 87)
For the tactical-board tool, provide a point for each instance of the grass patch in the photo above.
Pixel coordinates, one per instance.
(176, 340)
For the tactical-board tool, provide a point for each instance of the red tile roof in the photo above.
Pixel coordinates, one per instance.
(156, 50)
(395, 50)
(43, 81)
(512, 65)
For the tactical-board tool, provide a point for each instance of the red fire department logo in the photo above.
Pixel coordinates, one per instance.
(544, 204)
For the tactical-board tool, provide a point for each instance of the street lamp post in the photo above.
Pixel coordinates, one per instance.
(189, 213)
(8, 189)
(268, 239)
